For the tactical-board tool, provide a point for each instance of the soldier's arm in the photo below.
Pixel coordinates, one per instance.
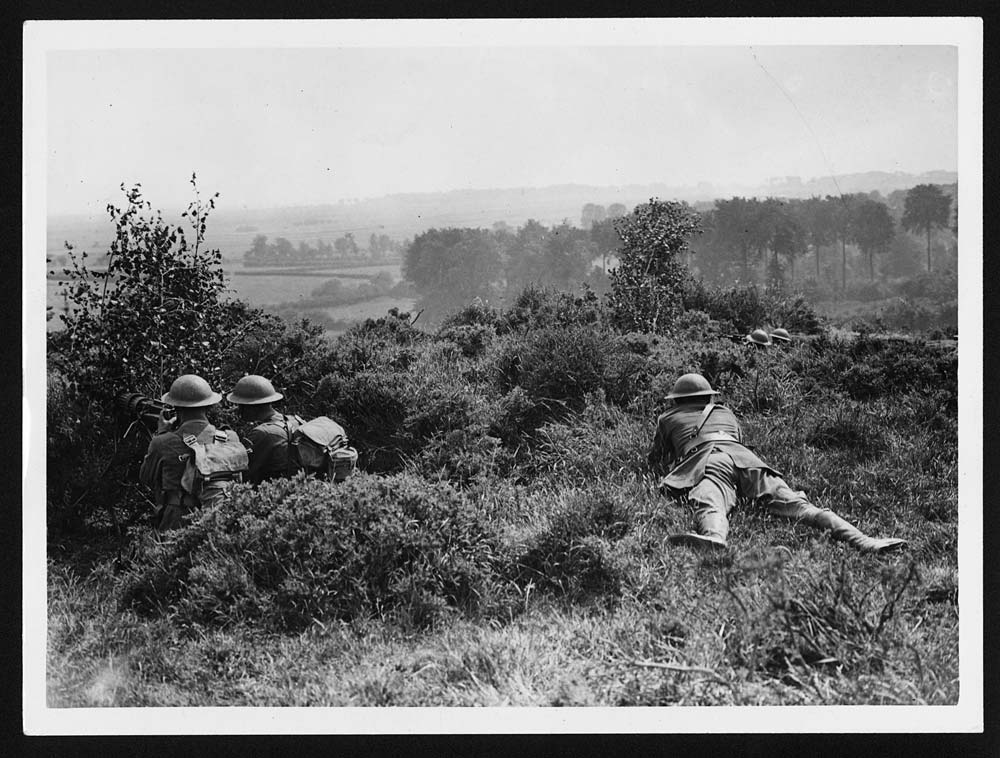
(661, 453)
(256, 443)
(149, 470)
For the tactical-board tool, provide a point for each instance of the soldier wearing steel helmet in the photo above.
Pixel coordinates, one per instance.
(781, 336)
(163, 468)
(758, 338)
(268, 441)
(700, 444)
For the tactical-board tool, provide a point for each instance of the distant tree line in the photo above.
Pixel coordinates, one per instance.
(282, 252)
(451, 267)
(752, 240)
(854, 237)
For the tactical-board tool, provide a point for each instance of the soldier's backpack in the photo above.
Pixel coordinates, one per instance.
(320, 448)
(217, 455)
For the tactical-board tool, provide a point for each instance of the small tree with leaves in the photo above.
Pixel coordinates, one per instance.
(156, 311)
(648, 285)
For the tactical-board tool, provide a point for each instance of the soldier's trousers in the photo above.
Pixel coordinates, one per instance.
(715, 496)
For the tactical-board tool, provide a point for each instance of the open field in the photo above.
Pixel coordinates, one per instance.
(286, 287)
(261, 287)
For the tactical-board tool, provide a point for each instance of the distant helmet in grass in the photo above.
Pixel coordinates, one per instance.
(690, 385)
(190, 391)
(759, 337)
(253, 390)
(781, 335)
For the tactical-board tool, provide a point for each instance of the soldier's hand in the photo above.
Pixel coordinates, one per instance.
(164, 423)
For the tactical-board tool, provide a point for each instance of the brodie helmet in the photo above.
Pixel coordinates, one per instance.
(759, 337)
(253, 390)
(690, 385)
(190, 391)
(781, 335)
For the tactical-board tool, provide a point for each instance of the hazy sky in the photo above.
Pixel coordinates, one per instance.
(300, 126)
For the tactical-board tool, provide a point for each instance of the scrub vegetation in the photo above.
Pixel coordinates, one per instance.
(504, 542)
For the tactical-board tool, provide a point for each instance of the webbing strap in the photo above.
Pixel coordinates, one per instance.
(704, 417)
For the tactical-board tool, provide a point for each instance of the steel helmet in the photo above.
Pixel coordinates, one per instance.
(781, 334)
(190, 391)
(253, 390)
(690, 385)
(759, 337)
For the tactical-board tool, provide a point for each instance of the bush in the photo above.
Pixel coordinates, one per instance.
(540, 308)
(572, 555)
(554, 363)
(294, 552)
(648, 284)
(391, 414)
(471, 340)
(747, 308)
(940, 287)
(868, 367)
(476, 313)
(600, 443)
(906, 315)
(157, 311)
(851, 428)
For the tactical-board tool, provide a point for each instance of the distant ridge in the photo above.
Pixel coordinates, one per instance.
(405, 214)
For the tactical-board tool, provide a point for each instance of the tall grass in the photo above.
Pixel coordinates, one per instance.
(512, 551)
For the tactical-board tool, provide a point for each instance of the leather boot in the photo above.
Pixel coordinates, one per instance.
(844, 531)
(712, 528)
(697, 541)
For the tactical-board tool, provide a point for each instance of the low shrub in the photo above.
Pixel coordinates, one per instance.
(464, 457)
(389, 342)
(516, 415)
(850, 427)
(470, 340)
(747, 308)
(599, 443)
(540, 307)
(553, 363)
(940, 287)
(868, 367)
(294, 552)
(476, 313)
(572, 555)
(835, 620)
(391, 415)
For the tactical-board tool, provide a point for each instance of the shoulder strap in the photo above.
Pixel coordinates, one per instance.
(206, 434)
(704, 417)
(288, 447)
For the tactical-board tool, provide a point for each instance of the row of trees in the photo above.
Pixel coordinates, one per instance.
(737, 239)
(450, 267)
(282, 252)
(742, 234)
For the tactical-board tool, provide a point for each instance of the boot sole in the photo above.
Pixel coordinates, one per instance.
(696, 541)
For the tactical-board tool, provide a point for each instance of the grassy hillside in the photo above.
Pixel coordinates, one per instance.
(504, 543)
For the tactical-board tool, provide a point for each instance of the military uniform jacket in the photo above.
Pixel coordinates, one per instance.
(163, 466)
(672, 442)
(267, 445)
